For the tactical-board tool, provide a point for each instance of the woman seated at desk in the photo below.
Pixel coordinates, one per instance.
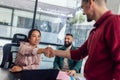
(28, 56)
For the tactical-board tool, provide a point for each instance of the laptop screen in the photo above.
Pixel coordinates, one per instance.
(42, 74)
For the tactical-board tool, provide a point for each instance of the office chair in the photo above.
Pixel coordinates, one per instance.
(10, 50)
(17, 38)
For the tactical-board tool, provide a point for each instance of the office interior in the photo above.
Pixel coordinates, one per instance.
(53, 18)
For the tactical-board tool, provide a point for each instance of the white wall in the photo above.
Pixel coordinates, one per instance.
(114, 5)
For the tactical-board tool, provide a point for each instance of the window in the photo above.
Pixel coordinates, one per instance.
(5, 16)
(23, 19)
(80, 33)
(24, 22)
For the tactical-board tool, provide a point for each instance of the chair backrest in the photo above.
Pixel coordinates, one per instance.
(10, 50)
(6, 55)
(17, 38)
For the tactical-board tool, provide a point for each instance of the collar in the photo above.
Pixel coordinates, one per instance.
(102, 18)
(69, 47)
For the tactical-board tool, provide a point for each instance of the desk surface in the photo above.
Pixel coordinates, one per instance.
(6, 75)
(44, 74)
(79, 77)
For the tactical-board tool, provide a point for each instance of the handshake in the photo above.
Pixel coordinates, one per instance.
(48, 52)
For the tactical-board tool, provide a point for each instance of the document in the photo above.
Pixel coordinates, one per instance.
(63, 76)
(80, 78)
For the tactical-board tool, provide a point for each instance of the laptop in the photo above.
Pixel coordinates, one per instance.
(42, 74)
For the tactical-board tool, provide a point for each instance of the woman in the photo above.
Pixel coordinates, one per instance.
(28, 56)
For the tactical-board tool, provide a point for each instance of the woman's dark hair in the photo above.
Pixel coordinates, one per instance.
(31, 31)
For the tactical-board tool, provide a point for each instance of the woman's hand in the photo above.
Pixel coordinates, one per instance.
(49, 52)
(41, 50)
(16, 69)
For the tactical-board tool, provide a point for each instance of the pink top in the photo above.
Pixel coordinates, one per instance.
(27, 56)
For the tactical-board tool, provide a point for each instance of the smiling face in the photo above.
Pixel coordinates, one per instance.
(34, 38)
(68, 40)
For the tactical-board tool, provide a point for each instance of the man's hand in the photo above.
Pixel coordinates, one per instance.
(16, 69)
(71, 72)
(49, 52)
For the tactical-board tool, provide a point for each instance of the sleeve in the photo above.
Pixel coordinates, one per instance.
(113, 43)
(77, 66)
(35, 66)
(34, 52)
(56, 63)
(79, 53)
(27, 50)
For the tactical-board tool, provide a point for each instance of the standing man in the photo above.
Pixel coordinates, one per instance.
(102, 45)
(72, 67)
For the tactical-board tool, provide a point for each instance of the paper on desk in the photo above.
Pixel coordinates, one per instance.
(63, 76)
(80, 78)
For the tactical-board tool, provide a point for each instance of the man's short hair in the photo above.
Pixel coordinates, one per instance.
(88, 0)
(85, 0)
(68, 34)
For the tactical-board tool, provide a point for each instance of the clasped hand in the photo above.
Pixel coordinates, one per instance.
(48, 52)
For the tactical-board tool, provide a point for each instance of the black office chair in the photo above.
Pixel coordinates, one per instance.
(17, 38)
(10, 50)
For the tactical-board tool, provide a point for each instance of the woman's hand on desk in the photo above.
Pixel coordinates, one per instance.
(16, 69)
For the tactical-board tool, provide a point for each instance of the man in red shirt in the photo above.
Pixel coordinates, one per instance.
(102, 46)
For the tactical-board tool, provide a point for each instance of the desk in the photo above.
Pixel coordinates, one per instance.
(79, 77)
(6, 75)
(44, 74)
